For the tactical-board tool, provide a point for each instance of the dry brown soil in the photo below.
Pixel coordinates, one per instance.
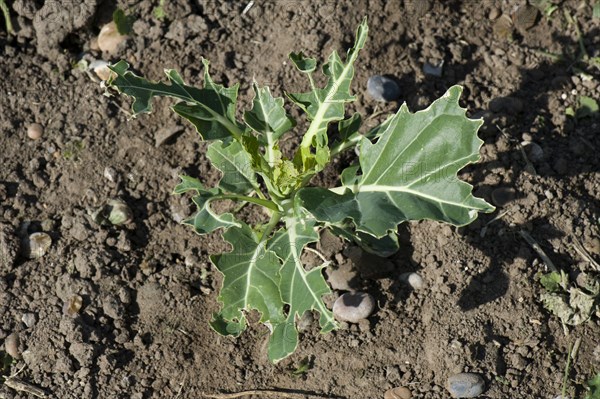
(149, 289)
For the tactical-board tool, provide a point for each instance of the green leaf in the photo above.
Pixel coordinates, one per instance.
(552, 282)
(205, 220)
(251, 279)
(383, 247)
(269, 119)
(302, 290)
(159, 11)
(573, 308)
(210, 109)
(587, 107)
(349, 127)
(325, 105)
(123, 22)
(409, 174)
(303, 63)
(593, 385)
(7, 20)
(235, 164)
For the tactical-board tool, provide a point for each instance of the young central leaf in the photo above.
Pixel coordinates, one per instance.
(328, 104)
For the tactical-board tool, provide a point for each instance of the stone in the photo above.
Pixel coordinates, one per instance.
(354, 307)
(109, 38)
(29, 319)
(414, 280)
(11, 345)
(35, 131)
(398, 393)
(465, 385)
(502, 196)
(382, 88)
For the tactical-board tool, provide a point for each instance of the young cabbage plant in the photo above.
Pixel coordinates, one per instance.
(407, 170)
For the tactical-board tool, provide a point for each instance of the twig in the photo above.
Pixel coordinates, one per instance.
(180, 389)
(539, 250)
(581, 250)
(267, 392)
(573, 350)
(22, 386)
(248, 7)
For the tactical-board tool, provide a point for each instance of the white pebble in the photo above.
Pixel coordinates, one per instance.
(110, 38)
(100, 68)
(29, 319)
(11, 345)
(382, 88)
(354, 307)
(35, 131)
(110, 174)
(414, 280)
(465, 385)
(36, 245)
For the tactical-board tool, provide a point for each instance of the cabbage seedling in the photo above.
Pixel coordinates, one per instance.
(407, 170)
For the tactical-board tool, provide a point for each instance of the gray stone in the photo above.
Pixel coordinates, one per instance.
(29, 319)
(382, 88)
(502, 196)
(465, 385)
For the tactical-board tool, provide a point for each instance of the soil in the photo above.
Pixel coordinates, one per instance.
(148, 288)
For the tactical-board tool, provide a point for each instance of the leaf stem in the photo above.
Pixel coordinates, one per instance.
(353, 140)
(275, 218)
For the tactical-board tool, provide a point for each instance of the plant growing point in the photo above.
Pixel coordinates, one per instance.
(407, 170)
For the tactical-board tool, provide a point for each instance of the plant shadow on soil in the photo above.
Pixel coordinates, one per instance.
(502, 252)
(536, 83)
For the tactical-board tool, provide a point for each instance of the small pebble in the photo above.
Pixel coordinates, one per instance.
(36, 245)
(382, 88)
(534, 151)
(465, 385)
(72, 306)
(525, 17)
(29, 319)
(503, 195)
(110, 38)
(35, 131)
(414, 280)
(100, 68)
(494, 13)
(398, 393)
(354, 307)
(11, 345)
(433, 70)
(111, 174)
